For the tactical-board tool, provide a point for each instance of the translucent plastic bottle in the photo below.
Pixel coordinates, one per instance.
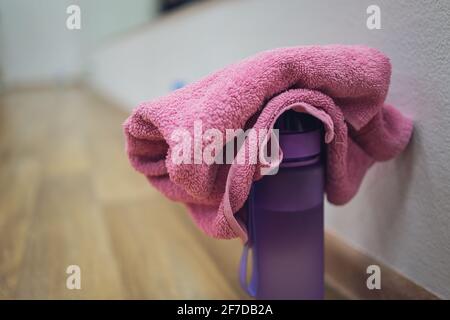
(285, 221)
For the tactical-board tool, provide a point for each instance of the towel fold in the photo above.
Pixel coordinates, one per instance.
(344, 86)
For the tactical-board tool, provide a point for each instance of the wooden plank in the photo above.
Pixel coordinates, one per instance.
(67, 228)
(18, 189)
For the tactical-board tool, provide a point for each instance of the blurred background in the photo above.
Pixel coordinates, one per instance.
(68, 195)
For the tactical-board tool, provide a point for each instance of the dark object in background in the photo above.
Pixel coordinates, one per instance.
(168, 5)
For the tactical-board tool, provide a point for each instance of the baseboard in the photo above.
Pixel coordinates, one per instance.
(345, 272)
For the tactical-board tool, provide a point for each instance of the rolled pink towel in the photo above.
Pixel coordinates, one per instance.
(344, 86)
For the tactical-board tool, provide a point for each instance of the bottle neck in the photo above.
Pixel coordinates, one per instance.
(300, 148)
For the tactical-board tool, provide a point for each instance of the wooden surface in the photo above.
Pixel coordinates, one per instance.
(68, 196)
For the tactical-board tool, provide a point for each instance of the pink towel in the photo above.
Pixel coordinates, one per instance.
(344, 86)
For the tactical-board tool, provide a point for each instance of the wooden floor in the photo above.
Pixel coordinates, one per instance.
(68, 196)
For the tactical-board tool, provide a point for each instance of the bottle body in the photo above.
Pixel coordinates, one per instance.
(285, 218)
(286, 232)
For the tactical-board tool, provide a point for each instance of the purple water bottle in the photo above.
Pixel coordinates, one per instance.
(285, 217)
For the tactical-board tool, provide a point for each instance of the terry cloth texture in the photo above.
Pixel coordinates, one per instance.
(344, 86)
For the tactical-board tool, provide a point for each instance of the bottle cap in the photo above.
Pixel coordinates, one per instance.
(300, 135)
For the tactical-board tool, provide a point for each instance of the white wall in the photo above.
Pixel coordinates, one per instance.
(37, 47)
(104, 20)
(35, 42)
(402, 213)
